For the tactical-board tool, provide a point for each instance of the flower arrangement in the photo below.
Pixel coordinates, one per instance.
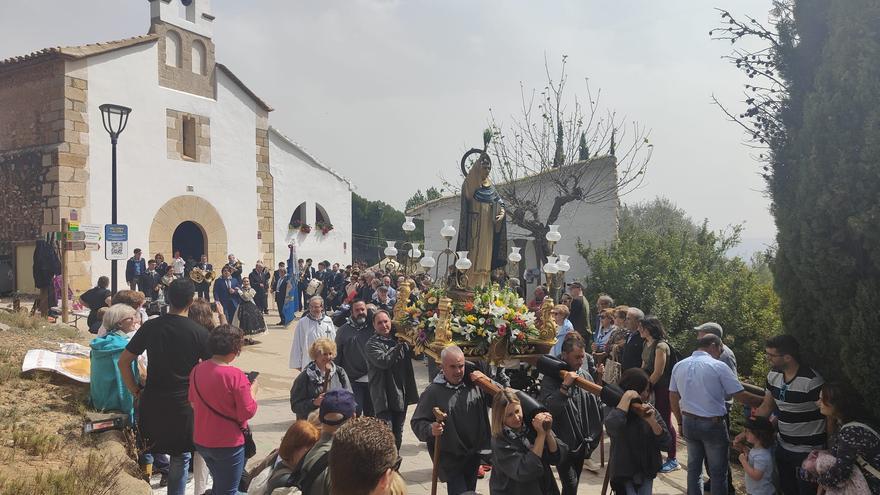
(495, 315)
(324, 227)
(423, 315)
(300, 226)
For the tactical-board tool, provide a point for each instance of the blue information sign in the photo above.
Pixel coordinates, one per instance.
(115, 232)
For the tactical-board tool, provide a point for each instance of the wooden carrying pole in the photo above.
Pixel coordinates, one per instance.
(440, 417)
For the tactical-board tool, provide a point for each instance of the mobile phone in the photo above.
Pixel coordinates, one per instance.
(252, 375)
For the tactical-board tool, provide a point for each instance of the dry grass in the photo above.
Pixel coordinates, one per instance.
(94, 477)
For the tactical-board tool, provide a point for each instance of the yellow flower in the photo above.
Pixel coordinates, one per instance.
(499, 303)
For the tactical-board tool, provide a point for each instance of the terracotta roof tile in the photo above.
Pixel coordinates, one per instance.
(76, 52)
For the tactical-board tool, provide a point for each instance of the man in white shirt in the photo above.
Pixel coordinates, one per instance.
(178, 265)
(698, 389)
(312, 326)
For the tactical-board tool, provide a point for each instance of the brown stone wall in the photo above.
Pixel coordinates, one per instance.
(44, 148)
(183, 78)
(31, 125)
(174, 133)
(265, 195)
(22, 176)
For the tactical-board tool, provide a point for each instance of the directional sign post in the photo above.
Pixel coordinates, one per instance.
(75, 245)
(94, 232)
(115, 241)
(75, 236)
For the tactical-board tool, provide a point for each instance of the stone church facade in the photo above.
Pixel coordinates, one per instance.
(200, 169)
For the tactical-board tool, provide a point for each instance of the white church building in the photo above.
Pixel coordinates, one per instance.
(589, 224)
(200, 168)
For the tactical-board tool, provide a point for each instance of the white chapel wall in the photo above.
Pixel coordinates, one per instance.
(297, 179)
(147, 178)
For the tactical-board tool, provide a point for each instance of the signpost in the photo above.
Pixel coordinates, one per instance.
(76, 236)
(75, 245)
(115, 241)
(94, 232)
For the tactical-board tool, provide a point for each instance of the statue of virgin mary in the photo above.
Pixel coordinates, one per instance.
(483, 230)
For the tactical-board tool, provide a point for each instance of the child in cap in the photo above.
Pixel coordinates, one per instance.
(757, 462)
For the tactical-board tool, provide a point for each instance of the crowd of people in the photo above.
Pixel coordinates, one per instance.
(356, 383)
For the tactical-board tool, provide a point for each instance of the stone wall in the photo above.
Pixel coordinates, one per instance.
(265, 194)
(174, 132)
(183, 78)
(44, 149)
(22, 176)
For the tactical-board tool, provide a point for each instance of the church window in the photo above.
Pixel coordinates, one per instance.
(198, 57)
(172, 49)
(321, 214)
(299, 216)
(189, 137)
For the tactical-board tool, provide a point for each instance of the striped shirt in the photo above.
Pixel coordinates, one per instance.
(801, 425)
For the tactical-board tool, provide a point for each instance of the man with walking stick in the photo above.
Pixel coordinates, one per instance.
(464, 433)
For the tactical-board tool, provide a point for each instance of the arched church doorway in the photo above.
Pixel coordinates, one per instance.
(170, 222)
(190, 240)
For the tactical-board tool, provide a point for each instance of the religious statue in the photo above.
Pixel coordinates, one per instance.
(482, 228)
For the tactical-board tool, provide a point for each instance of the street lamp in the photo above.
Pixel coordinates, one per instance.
(114, 118)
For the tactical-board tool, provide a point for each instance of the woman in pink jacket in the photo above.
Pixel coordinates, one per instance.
(222, 401)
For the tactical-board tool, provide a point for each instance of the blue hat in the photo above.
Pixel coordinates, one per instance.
(338, 401)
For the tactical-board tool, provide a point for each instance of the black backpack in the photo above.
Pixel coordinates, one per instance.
(307, 478)
(671, 361)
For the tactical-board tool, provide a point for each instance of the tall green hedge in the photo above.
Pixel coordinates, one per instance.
(825, 188)
(677, 270)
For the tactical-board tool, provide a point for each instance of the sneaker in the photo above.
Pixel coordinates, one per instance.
(163, 481)
(591, 466)
(669, 466)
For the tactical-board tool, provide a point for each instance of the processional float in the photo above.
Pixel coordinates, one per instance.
(466, 308)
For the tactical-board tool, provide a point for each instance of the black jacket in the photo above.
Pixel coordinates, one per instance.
(631, 357)
(260, 281)
(635, 450)
(577, 417)
(466, 431)
(516, 470)
(392, 381)
(351, 348)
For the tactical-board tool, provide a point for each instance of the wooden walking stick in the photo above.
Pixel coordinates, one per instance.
(440, 417)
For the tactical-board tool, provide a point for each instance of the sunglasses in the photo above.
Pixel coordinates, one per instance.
(396, 466)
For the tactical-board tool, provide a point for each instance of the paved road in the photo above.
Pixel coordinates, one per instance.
(270, 357)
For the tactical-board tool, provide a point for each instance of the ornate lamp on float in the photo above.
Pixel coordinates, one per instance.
(563, 266)
(411, 251)
(390, 254)
(553, 236)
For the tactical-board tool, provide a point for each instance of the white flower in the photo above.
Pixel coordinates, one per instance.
(529, 318)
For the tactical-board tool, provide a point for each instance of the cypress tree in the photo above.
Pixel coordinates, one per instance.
(825, 189)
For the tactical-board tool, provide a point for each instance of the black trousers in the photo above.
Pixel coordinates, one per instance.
(262, 300)
(361, 392)
(787, 464)
(570, 472)
(395, 420)
(203, 292)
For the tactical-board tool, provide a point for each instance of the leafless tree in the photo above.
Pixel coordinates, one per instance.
(551, 134)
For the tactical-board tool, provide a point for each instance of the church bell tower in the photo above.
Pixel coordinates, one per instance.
(186, 50)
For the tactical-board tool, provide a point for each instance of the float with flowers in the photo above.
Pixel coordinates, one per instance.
(491, 323)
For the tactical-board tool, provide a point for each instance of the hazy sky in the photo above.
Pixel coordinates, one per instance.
(390, 93)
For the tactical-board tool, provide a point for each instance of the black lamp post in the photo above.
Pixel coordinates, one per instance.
(114, 118)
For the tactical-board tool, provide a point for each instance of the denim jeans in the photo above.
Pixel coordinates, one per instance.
(706, 439)
(178, 472)
(645, 488)
(226, 465)
(465, 480)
